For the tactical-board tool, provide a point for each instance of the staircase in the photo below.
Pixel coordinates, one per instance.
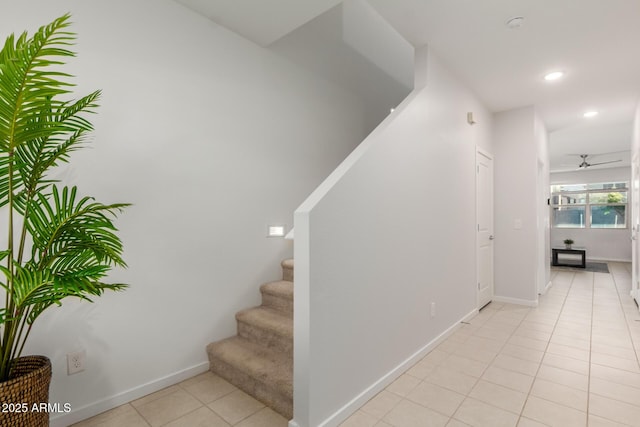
(259, 359)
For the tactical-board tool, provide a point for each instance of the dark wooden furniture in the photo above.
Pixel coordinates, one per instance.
(573, 251)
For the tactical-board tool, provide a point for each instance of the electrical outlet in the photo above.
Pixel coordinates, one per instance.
(433, 309)
(76, 362)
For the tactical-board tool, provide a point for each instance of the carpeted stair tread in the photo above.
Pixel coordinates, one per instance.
(281, 288)
(262, 365)
(287, 269)
(278, 296)
(267, 318)
(268, 327)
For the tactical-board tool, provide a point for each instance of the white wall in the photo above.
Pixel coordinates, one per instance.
(369, 34)
(635, 213)
(327, 45)
(635, 143)
(391, 231)
(211, 138)
(517, 230)
(543, 278)
(601, 244)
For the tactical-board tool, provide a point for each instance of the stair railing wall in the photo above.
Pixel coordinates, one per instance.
(391, 231)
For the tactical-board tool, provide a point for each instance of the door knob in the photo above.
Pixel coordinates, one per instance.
(491, 237)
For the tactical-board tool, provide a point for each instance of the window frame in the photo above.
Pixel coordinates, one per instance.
(588, 190)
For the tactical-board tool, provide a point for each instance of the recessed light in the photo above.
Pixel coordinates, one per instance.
(514, 22)
(553, 76)
(590, 114)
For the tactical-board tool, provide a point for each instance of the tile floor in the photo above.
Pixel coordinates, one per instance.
(205, 400)
(572, 361)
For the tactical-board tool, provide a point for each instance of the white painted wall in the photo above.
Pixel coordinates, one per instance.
(369, 34)
(391, 231)
(517, 153)
(601, 244)
(327, 45)
(543, 277)
(635, 213)
(591, 176)
(211, 138)
(635, 143)
(250, 18)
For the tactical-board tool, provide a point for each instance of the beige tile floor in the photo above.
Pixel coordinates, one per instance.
(205, 400)
(572, 361)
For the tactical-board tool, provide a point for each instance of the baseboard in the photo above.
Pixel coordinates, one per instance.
(127, 396)
(518, 301)
(546, 288)
(635, 294)
(348, 409)
(607, 260)
(468, 317)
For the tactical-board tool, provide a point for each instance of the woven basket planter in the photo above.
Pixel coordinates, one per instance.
(29, 385)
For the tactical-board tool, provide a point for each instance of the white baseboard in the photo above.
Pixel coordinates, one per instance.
(546, 288)
(343, 413)
(608, 260)
(635, 294)
(518, 301)
(127, 396)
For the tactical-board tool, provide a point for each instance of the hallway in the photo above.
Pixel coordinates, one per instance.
(572, 361)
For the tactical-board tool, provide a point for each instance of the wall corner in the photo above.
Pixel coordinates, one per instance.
(420, 67)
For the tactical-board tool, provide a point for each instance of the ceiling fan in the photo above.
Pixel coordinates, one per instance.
(586, 164)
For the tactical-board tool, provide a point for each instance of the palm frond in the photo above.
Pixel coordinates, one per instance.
(9, 177)
(37, 289)
(26, 80)
(66, 130)
(68, 233)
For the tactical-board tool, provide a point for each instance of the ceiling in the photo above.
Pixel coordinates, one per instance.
(594, 42)
(261, 21)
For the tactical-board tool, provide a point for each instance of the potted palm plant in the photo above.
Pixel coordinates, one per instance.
(568, 243)
(58, 244)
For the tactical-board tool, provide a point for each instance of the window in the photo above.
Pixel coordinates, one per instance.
(602, 205)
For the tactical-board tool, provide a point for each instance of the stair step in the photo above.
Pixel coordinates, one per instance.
(265, 374)
(267, 327)
(259, 360)
(287, 269)
(278, 296)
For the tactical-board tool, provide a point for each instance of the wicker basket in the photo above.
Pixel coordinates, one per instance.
(29, 385)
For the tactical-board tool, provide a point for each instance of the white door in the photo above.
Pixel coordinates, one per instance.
(484, 214)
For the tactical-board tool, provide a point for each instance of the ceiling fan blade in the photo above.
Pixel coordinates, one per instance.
(596, 154)
(604, 163)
